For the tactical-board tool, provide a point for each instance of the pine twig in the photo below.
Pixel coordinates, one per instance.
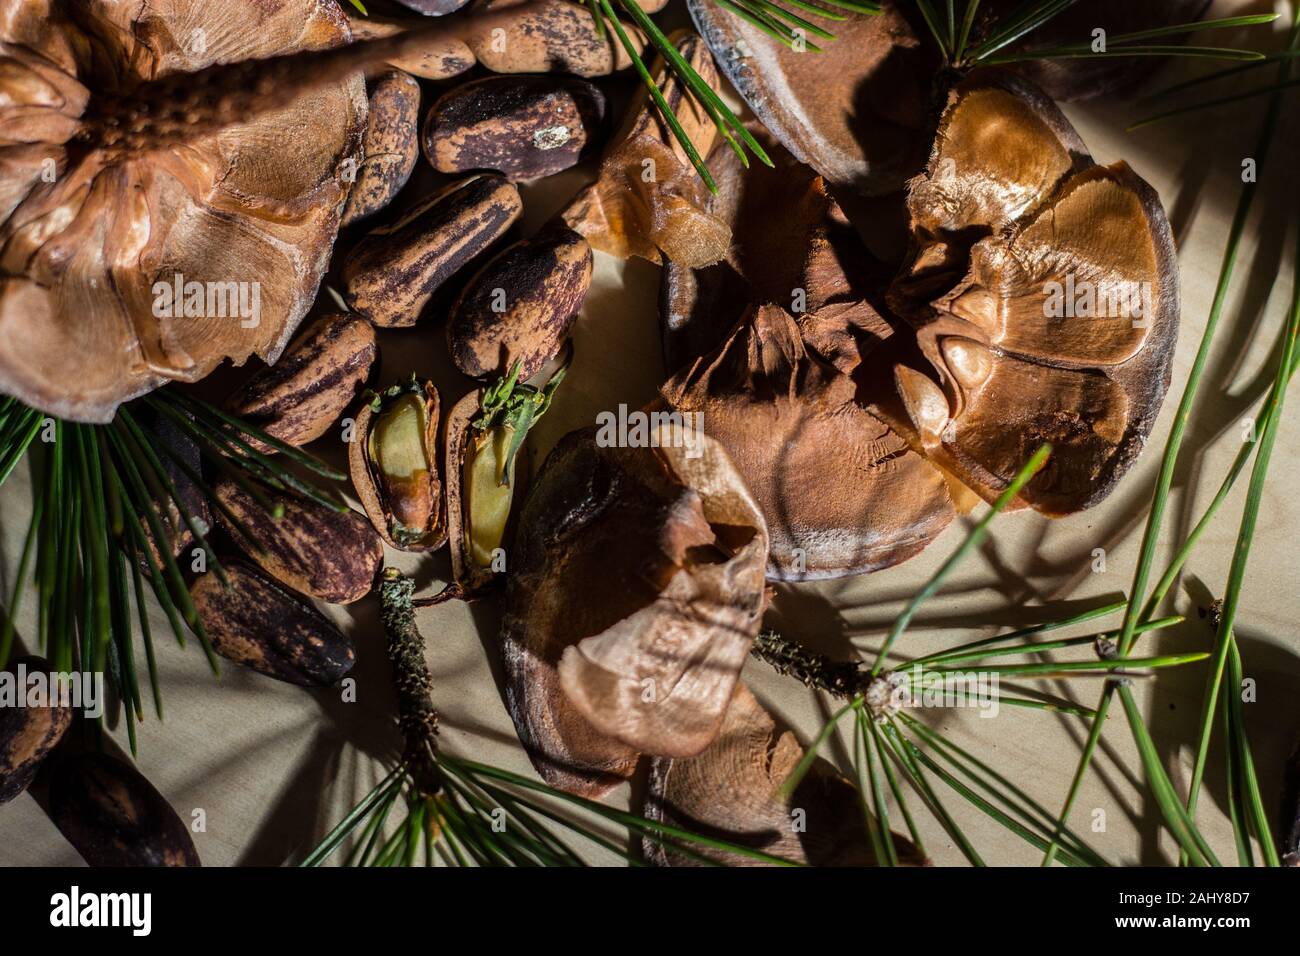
(417, 719)
(840, 678)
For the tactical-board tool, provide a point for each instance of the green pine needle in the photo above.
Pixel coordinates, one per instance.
(1138, 607)
(973, 541)
(97, 534)
(1224, 639)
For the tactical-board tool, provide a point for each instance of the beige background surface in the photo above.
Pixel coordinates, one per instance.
(272, 765)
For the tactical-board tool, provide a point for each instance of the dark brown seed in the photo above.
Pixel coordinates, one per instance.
(437, 59)
(113, 816)
(259, 624)
(552, 36)
(27, 734)
(393, 272)
(521, 306)
(524, 127)
(301, 396)
(310, 548)
(392, 145)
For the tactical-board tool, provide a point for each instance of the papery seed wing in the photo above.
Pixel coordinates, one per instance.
(660, 679)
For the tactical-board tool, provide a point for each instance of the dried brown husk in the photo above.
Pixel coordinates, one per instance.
(730, 791)
(648, 200)
(857, 112)
(521, 306)
(841, 491)
(793, 246)
(210, 154)
(139, 203)
(113, 816)
(312, 549)
(471, 577)
(261, 625)
(393, 273)
(320, 374)
(635, 591)
(1010, 207)
(424, 493)
(28, 732)
(391, 145)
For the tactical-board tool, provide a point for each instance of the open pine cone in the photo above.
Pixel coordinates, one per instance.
(117, 190)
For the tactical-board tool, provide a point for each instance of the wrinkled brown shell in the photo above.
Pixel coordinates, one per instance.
(543, 282)
(363, 481)
(113, 816)
(301, 396)
(28, 734)
(841, 491)
(472, 579)
(257, 623)
(391, 145)
(636, 590)
(393, 272)
(856, 112)
(730, 792)
(312, 549)
(523, 127)
(813, 258)
(258, 202)
(1010, 203)
(464, 572)
(648, 200)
